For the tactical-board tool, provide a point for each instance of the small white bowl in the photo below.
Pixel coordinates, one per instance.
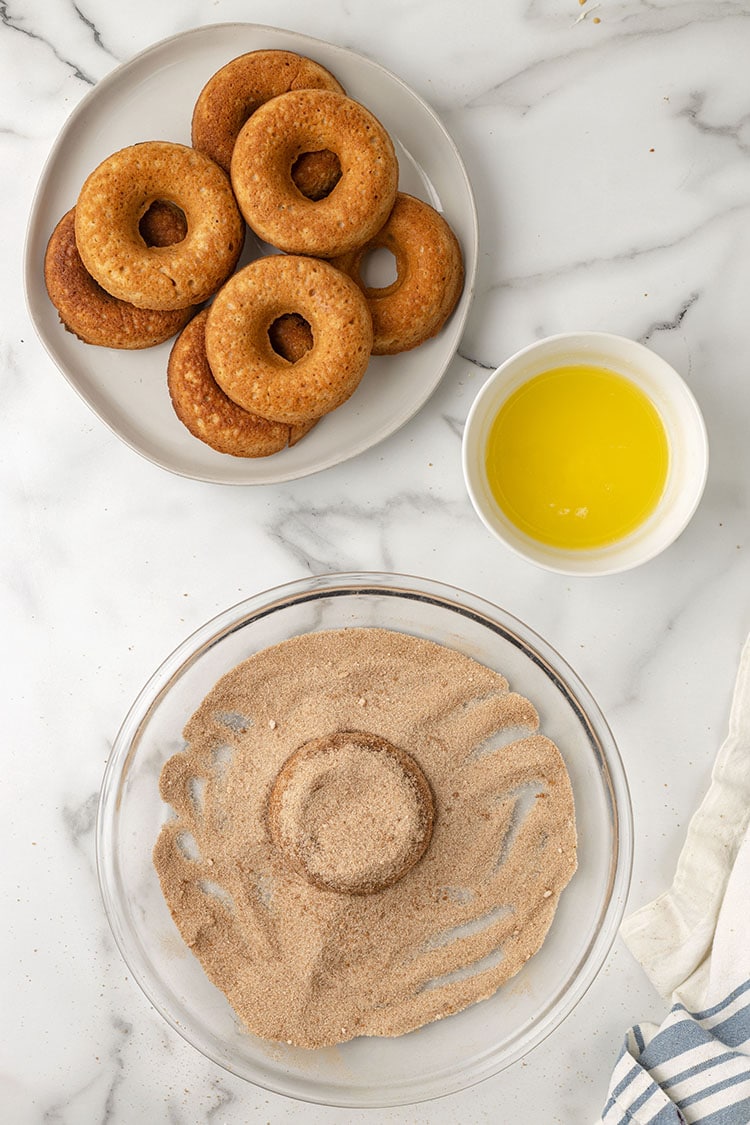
(686, 435)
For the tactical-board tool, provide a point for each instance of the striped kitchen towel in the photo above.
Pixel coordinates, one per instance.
(694, 943)
(694, 1068)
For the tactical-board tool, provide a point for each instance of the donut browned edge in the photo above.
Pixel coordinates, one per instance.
(92, 314)
(241, 355)
(235, 91)
(205, 410)
(310, 120)
(113, 200)
(429, 281)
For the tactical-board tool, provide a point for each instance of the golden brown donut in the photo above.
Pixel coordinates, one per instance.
(430, 276)
(307, 121)
(351, 812)
(112, 202)
(233, 93)
(243, 359)
(206, 411)
(88, 311)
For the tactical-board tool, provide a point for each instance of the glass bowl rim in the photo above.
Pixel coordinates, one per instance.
(451, 597)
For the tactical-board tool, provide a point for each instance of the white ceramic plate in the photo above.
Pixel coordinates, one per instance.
(151, 98)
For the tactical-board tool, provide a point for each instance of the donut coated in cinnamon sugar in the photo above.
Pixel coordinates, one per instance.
(235, 91)
(112, 202)
(88, 311)
(205, 410)
(241, 355)
(304, 121)
(430, 276)
(351, 812)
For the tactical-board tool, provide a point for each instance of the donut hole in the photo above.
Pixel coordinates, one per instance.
(163, 224)
(315, 174)
(379, 268)
(290, 336)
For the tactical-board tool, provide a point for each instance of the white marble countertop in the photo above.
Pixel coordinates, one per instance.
(611, 166)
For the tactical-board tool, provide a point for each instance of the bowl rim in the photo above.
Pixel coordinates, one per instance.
(583, 562)
(261, 604)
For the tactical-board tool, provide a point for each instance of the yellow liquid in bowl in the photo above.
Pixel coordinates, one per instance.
(577, 457)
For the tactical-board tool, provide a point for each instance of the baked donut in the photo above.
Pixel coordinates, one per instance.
(205, 410)
(234, 93)
(241, 355)
(430, 276)
(87, 310)
(117, 194)
(306, 121)
(351, 812)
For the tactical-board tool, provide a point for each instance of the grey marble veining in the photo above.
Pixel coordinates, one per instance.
(611, 167)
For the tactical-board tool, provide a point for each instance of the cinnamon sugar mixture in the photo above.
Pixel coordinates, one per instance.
(248, 863)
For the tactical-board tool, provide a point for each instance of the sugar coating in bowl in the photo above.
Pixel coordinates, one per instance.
(371, 833)
(481, 1038)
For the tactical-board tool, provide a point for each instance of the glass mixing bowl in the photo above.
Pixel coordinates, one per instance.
(442, 1057)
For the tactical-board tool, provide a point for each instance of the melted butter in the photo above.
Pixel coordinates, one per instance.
(577, 457)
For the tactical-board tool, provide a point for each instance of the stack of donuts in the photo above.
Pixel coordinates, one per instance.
(157, 231)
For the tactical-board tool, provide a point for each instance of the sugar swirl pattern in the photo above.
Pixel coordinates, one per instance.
(312, 966)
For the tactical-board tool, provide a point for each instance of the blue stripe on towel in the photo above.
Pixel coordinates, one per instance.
(675, 1038)
(740, 1111)
(735, 1030)
(742, 988)
(733, 1080)
(694, 1071)
(687, 1073)
(669, 1115)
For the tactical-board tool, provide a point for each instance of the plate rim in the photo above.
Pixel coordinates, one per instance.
(35, 292)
